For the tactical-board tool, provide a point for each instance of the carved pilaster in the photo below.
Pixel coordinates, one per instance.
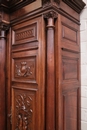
(3, 28)
(50, 91)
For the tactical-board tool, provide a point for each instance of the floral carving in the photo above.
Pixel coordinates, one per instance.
(23, 70)
(23, 112)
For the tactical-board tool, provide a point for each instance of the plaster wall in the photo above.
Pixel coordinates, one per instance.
(83, 40)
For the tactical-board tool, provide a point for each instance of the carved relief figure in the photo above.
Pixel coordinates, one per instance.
(23, 112)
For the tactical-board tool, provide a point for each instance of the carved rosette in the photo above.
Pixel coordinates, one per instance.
(23, 112)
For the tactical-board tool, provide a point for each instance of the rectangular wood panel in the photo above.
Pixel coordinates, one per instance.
(70, 110)
(24, 105)
(25, 34)
(69, 33)
(70, 68)
(25, 67)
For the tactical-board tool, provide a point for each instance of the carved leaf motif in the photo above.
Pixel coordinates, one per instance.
(23, 112)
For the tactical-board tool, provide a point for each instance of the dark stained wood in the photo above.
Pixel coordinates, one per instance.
(40, 65)
(2, 80)
(27, 76)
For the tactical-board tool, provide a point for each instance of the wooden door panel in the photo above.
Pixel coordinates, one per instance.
(25, 109)
(70, 86)
(70, 67)
(70, 110)
(69, 34)
(28, 66)
(25, 67)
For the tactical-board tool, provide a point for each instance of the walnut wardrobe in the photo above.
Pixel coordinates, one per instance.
(40, 64)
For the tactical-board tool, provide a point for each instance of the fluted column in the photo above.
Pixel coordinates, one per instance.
(3, 28)
(50, 88)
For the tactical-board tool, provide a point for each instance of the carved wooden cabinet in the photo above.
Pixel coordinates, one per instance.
(40, 64)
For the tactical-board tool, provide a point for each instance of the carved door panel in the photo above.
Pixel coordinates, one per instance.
(68, 73)
(28, 75)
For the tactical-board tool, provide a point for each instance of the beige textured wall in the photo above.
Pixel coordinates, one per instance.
(83, 34)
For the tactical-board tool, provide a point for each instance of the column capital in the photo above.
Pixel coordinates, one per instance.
(4, 25)
(51, 14)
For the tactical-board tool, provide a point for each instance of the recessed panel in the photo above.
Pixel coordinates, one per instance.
(69, 33)
(24, 69)
(70, 69)
(25, 34)
(70, 111)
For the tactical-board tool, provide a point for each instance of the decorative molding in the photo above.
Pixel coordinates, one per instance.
(13, 5)
(23, 35)
(23, 70)
(23, 112)
(28, 33)
(49, 1)
(77, 5)
(16, 4)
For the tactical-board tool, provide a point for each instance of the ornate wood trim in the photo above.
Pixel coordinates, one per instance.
(77, 5)
(13, 5)
(49, 1)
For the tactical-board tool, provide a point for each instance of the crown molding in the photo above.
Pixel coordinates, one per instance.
(13, 5)
(77, 5)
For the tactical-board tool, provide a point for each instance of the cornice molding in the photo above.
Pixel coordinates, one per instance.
(77, 5)
(13, 5)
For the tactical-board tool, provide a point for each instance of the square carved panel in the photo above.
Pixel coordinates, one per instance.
(24, 69)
